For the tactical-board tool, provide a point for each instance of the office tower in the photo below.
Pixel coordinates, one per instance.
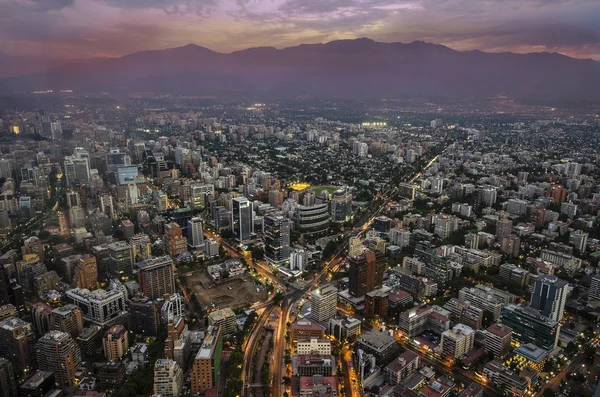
(77, 171)
(120, 260)
(594, 294)
(128, 173)
(356, 247)
(57, 352)
(458, 341)
(324, 303)
(132, 195)
(529, 326)
(168, 378)
(107, 205)
(8, 384)
(549, 296)
(277, 239)
(376, 303)
(173, 308)
(73, 199)
(365, 273)
(503, 228)
(173, 240)
(195, 233)
(141, 247)
(224, 318)
(318, 346)
(144, 316)
(242, 219)
(115, 342)
(382, 224)
(67, 319)
(497, 340)
(16, 341)
(156, 277)
(56, 131)
(100, 307)
(341, 205)
(86, 272)
(128, 229)
(312, 219)
(207, 363)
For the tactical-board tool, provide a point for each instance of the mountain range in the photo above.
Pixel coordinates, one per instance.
(344, 69)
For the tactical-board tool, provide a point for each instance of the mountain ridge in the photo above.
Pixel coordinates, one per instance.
(342, 69)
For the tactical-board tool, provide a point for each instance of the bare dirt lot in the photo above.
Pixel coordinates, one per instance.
(237, 292)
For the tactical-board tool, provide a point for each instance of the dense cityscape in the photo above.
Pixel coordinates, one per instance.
(177, 247)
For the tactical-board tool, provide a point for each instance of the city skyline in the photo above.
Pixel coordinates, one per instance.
(75, 29)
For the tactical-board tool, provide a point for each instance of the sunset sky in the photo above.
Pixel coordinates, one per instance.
(90, 28)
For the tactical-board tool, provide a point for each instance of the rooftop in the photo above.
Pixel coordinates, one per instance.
(532, 352)
(221, 315)
(499, 330)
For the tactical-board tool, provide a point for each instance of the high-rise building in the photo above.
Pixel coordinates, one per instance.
(224, 318)
(529, 326)
(141, 247)
(366, 272)
(207, 363)
(120, 260)
(77, 171)
(174, 241)
(178, 344)
(497, 340)
(115, 342)
(173, 308)
(16, 341)
(195, 233)
(341, 205)
(549, 296)
(242, 219)
(277, 239)
(298, 259)
(413, 321)
(144, 316)
(511, 245)
(376, 303)
(168, 378)
(57, 352)
(8, 384)
(312, 219)
(458, 341)
(324, 303)
(594, 294)
(86, 272)
(101, 307)
(107, 205)
(67, 319)
(156, 277)
(504, 228)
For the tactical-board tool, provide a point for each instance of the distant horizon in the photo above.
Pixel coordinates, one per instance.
(292, 46)
(80, 29)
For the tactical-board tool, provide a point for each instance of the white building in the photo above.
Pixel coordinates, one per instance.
(324, 303)
(298, 259)
(314, 346)
(168, 378)
(458, 341)
(100, 307)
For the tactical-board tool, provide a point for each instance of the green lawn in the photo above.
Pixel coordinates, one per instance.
(319, 189)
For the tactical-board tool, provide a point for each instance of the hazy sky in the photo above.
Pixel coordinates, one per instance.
(86, 28)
